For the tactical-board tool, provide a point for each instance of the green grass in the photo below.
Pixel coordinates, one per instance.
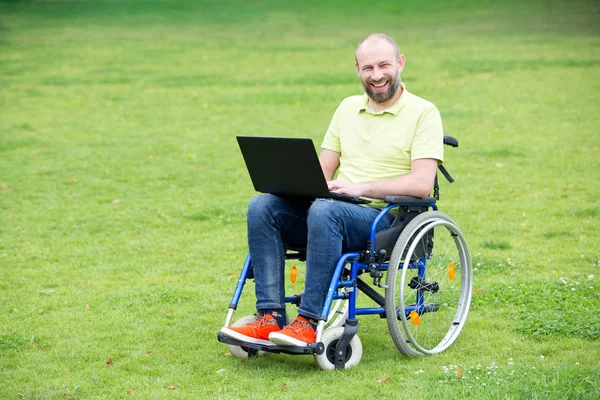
(123, 192)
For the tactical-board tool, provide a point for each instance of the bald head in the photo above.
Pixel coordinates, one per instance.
(374, 37)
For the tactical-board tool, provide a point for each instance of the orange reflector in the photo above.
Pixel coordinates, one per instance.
(414, 318)
(451, 271)
(293, 274)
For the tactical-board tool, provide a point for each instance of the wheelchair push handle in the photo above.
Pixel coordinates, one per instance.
(450, 141)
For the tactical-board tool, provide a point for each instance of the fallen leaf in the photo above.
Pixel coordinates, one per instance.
(41, 348)
(41, 310)
(478, 290)
(162, 311)
(109, 362)
(11, 216)
(130, 392)
(5, 188)
(163, 251)
(386, 379)
(459, 373)
(149, 352)
(228, 354)
(73, 180)
(172, 387)
(87, 306)
(283, 386)
(168, 356)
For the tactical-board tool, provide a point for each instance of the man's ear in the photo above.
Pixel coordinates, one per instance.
(357, 70)
(401, 61)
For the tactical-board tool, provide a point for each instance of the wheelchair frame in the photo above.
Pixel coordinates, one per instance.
(339, 346)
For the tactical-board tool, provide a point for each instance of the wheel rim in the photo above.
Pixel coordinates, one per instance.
(330, 352)
(437, 301)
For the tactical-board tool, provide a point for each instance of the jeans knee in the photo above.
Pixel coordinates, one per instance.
(261, 204)
(322, 210)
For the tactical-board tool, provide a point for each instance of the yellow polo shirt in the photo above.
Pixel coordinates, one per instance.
(381, 145)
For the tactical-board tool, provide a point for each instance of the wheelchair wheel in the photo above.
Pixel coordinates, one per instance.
(330, 339)
(429, 285)
(240, 351)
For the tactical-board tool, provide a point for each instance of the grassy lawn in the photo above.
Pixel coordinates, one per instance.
(123, 192)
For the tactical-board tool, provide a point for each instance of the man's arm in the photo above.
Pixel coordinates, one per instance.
(330, 161)
(417, 183)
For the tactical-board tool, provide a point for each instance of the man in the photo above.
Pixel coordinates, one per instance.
(385, 142)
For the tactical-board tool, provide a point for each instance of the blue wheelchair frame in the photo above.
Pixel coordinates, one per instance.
(365, 261)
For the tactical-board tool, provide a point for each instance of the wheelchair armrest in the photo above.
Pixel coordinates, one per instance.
(410, 200)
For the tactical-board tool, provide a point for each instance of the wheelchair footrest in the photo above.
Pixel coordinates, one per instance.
(313, 348)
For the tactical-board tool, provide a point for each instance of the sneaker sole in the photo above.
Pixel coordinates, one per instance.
(243, 338)
(284, 340)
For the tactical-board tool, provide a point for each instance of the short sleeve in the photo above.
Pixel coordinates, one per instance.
(332, 136)
(429, 136)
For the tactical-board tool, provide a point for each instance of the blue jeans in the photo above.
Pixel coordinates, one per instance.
(325, 227)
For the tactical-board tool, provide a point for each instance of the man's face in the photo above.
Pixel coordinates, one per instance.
(379, 69)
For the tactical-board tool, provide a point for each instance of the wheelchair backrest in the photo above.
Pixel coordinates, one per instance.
(386, 239)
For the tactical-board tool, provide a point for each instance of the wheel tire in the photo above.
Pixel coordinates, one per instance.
(330, 338)
(239, 351)
(440, 314)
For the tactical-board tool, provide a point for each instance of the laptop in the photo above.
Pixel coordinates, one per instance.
(287, 167)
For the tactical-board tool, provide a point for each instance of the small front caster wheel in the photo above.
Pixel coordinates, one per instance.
(330, 339)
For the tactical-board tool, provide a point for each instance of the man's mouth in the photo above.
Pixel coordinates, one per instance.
(379, 85)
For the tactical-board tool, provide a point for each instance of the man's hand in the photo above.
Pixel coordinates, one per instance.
(351, 189)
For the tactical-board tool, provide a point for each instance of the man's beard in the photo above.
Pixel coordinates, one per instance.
(384, 96)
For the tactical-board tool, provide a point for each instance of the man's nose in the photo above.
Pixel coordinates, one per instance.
(377, 74)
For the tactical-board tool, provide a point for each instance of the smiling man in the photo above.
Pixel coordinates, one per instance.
(386, 142)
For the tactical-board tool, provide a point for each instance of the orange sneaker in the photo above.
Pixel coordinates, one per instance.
(298, 333)
(255, 332)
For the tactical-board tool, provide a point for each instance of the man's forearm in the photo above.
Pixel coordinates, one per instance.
(407, 185)
(417, 183)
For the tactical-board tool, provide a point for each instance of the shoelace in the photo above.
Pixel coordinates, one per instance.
(298, 325)
(261, 321)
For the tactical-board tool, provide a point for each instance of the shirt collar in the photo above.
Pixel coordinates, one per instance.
(394, 109)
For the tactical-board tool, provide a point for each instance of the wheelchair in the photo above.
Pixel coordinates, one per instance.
(417, 274)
